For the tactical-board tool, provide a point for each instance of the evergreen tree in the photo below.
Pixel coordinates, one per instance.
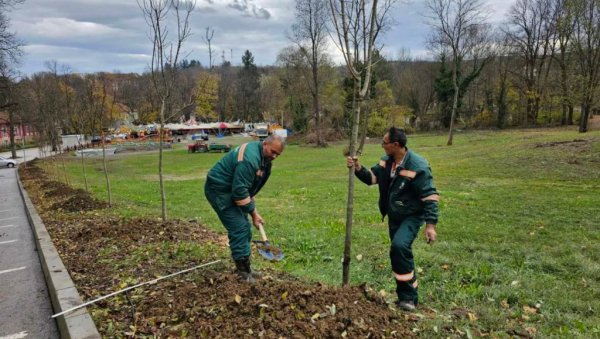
(249, 85)
(444, 89)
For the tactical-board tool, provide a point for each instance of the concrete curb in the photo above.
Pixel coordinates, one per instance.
(64, 295)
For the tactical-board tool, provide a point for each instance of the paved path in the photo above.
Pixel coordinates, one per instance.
(25, 306)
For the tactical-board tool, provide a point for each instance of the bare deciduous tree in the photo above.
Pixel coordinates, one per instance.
(309, 33)
(357, 25)
(165, 58)
(10, 55)
(529, 32)
(208, 38)
(586, 40)
(459, 29)
(564, 21)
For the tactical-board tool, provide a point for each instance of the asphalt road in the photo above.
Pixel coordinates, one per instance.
(25, 306)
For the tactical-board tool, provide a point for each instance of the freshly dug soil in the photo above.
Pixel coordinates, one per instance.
(105, 253)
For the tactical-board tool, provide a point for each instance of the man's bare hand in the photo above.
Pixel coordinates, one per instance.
(257, 219)
(353, 161)
(430, 233)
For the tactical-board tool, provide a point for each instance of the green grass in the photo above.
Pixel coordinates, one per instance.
(518, 224)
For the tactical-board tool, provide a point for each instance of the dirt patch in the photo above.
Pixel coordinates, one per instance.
(575, 144)
(105, 253)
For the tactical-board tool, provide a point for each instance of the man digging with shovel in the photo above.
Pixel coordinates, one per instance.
(408, 197)
(230, 188)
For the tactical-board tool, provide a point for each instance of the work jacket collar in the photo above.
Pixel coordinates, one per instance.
(405, 159)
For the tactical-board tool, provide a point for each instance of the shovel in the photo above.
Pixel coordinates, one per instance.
(265, 249)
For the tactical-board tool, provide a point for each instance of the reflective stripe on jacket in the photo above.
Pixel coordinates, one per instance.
(410, 192)
(240, 175)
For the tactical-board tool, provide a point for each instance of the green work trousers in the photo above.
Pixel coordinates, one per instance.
(239, 230)
(402, 234)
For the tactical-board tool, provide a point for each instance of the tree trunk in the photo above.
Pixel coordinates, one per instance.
(565, 95)
(108, 189)
(11, 133)
(454, 106)
(83, 165)
(585, 112)
(163, 197)
(350, 205)
(363, 134)
(62, 160)
(317, 106)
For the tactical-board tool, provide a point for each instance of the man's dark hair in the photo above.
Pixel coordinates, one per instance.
(397, 135)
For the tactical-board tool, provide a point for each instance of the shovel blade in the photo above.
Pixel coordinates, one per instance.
(269, 252)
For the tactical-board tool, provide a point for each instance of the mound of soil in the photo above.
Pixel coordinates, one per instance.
(218, 305)
(58, 189)
(104, 254)
(80, 202)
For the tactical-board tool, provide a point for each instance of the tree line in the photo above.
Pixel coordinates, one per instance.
(539, 68)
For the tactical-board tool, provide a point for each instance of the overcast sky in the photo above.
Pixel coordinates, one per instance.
(111, 35)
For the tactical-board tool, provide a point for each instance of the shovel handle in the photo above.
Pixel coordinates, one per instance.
(263, 235)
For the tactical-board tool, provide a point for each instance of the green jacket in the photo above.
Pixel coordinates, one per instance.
(239, 176)
(410, 192)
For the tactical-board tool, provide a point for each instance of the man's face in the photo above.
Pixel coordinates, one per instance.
(272, 150)
(388, 147)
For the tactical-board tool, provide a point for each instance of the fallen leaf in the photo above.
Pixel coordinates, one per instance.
(530, 310)
(504, 303)
(472, 316)
(419, 270)
(514, 283)
(284, 295)
(531, 330)
(359, 257)
(445, 266)
(315, 316)
(238, 299)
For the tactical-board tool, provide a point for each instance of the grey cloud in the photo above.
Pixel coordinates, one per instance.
(206, 9)
(250, 9)
(261, 13)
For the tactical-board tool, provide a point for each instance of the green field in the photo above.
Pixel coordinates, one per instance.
(518, 250)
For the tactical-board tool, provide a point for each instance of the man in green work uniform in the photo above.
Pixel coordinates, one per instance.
(408, 197)
(230, 188)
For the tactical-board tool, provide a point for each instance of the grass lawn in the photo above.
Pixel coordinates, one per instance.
(518, 248)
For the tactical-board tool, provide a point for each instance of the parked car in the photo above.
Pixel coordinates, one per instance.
(262, 133)
(200, 136)
(98, 139)
(5, 162)
(202, 146)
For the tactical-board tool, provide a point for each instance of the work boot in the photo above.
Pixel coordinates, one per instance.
(243, 270)
(255, 274)
(406, 305)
